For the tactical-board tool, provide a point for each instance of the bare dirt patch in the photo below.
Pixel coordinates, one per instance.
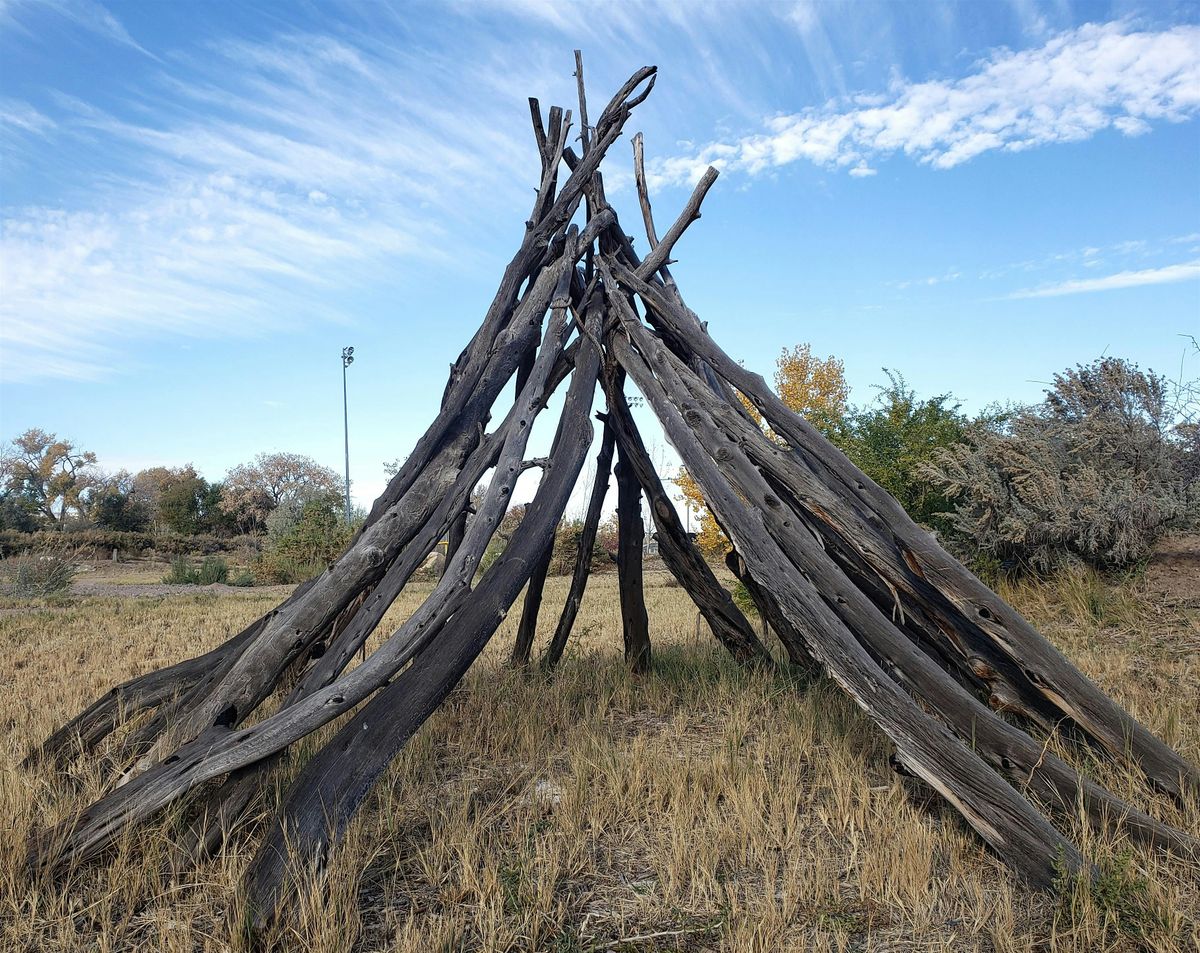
(1173, 574)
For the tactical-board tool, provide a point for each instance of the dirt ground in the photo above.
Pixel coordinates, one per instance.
(144, 578)
(1173, 573)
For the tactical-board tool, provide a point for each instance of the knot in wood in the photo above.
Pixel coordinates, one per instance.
(981, 668)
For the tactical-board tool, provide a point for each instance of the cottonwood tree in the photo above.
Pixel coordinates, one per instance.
(811, 386)
(180, 500)
(897, 435)
(251, 491)
(50, 474)
(114, 503)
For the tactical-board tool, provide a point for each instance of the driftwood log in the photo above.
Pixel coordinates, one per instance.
(844, 577)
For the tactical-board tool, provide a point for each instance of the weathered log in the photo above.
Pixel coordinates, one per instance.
(1004, 819)
(249, 679)
(469, 367)
(527, 629)
(333, 784)
(909, 556)
(678, 551)
(635, 625)
(1006, 748)
(219, 749)
(225, 805)
(583, 558)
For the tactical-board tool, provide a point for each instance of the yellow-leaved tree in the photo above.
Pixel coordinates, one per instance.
(813, 387)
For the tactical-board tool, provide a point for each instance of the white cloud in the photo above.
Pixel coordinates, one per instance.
(927, 282)
(17, 115)
(85, 14)
(1077, 84)
(281, 178)
(1184, 271)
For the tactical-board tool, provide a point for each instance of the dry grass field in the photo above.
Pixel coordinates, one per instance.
(697, 808)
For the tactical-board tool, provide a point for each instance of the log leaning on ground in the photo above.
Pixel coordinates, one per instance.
(583, 556)
(842, 574)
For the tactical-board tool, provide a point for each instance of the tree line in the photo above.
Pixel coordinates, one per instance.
(1094, 473)
(48, 483)
(285, 508)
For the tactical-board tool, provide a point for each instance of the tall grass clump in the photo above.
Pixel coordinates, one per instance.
(37, 575)
(212, 570)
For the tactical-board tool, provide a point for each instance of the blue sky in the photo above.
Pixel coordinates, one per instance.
(204, 202)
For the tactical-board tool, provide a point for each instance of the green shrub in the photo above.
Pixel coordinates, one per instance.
(243, 579)
(37, 575)
(892, 440)
(308, 545)
(743, 600)
(97, 542)
(1119, 896)
(181, 572)
(212, 569)
(495, 548)
(18, 513)
(566, 549)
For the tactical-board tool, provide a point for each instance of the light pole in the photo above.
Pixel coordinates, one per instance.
(347, 360)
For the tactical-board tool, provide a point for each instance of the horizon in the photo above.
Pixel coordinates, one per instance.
(203, 205)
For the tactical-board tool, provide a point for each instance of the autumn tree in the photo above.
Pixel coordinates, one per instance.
(48, 474)
(252, 491)
(709, 538)
(811, 386)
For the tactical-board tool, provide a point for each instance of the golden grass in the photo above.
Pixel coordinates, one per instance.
(698, 808)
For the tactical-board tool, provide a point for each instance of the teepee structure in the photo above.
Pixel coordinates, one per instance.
(959, 682)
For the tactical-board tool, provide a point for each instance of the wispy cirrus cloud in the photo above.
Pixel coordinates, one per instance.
(208, 256)
(1096, 77)
(1168, 274)
(928, 281)
(248, 193)
(84, 14)
(18, 115)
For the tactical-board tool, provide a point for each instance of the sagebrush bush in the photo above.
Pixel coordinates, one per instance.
(37, 575)
(1093, 474)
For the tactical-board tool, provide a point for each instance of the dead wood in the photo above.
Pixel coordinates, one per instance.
(845, 578)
